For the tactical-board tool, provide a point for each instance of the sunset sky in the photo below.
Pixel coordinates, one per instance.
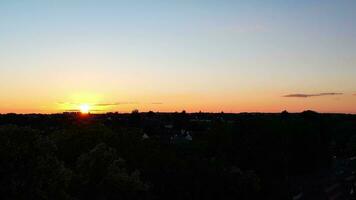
(222, 55)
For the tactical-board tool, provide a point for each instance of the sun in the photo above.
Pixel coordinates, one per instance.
(84, 108)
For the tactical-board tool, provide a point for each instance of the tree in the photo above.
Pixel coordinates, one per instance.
(351, 146)
(101, 174)
(29, 168)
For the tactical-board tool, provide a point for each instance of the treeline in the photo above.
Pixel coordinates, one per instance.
(106, 156)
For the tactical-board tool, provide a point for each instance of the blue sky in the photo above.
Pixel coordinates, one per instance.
(248, 52)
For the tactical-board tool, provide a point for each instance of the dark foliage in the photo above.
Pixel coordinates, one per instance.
(175, 155)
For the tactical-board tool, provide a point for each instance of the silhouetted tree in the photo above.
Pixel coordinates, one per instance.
(103, 175)
(29, 168)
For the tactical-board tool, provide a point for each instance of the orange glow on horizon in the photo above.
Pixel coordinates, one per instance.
(95, 102)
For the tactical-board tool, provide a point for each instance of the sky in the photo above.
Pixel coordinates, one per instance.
(166, 55)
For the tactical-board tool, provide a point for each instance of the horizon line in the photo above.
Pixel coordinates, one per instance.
(170, 112)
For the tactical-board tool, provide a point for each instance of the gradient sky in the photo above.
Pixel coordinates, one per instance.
(232, 56)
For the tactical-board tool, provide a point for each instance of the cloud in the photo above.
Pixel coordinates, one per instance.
(100, 104)
(157, 103)
(72, 110)
(312, 95)
(113, 104)
(77, 110)
(123, 103)
(105, 104)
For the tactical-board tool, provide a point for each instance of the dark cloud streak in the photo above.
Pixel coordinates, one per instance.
(77, 110)
(312, 95)
(157, 103)
(100, 104)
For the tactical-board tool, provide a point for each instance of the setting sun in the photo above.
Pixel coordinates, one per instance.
(84, 108)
